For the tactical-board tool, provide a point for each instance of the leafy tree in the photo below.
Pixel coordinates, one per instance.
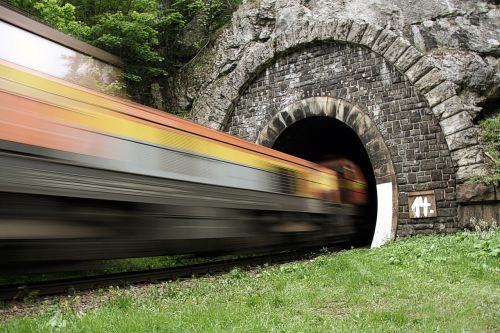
(62, 17)
(25, 5)
(149, 35)
(133, 37)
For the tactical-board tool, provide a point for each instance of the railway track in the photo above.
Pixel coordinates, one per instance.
(61, 286)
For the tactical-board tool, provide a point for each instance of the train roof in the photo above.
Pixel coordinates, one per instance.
(58, 87)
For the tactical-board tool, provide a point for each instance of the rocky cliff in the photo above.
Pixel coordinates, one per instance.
(460, 37)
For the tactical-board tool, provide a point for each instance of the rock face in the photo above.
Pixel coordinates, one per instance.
(460, 37)
(439, 56)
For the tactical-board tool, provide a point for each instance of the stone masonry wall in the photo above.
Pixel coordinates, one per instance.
(458, 72)
(357, 75)
(448, 50)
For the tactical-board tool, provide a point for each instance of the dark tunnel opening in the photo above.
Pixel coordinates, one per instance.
(317, 138)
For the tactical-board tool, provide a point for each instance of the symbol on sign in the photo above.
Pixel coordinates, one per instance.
(421, 202)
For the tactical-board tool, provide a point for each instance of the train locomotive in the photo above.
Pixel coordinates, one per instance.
(87, 176)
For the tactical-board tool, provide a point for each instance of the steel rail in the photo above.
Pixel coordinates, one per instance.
(62, 286)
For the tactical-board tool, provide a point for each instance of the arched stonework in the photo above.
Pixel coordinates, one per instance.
(214, 105)
(359, 121)
(402, 135)
(347, 113)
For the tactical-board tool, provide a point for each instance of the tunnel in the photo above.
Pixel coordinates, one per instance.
(317, 138)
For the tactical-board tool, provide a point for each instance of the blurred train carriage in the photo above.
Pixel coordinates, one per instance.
(85, 175)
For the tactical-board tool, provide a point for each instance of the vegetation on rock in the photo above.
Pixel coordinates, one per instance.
(153, 37)
(490, 137)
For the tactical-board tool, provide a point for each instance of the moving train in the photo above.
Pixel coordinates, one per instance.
(86, 176)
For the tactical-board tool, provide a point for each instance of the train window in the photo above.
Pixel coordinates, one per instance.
(32, 51)
(286, 181)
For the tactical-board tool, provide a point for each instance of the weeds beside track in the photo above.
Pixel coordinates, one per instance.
(423, 284)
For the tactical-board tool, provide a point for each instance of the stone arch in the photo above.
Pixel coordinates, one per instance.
(359, 121)
(214, 105)
(356, 75)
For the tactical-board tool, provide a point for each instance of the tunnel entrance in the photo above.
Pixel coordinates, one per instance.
(317, 138)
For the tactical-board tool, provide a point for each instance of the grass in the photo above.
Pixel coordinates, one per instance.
(424, 284)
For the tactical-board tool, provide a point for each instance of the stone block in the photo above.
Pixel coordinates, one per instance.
(298, 113)
(329, 29)
(323, 28)
(462, 139)
(370, 35)
(407, 59)
(263, 140)
(271, 132)
(330, 108)
(380, 159)
(465, 173)
(315, 106)
(423, 226)
(357, 121)
(396, 49)
(429, 80)
(419, 69)
(373, 142)
(383, 41)
(342, 30)
(303, 35)
(315, 31)
(277, 124)
(448, 108)
(363, 123)
(475, 192)
(441, 93)
(341, 110)
(382, 171)
(467, 156)
(428, 165)
(284, 41)
(456, 123)
(286, 118)
(356, 32)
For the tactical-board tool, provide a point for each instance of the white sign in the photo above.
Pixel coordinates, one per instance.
(422, 204)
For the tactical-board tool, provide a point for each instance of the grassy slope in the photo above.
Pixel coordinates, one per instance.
(428, 284)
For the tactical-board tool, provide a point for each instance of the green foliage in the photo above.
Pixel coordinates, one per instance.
(25, 5)
(133, 37)
(153, 37)
(187, 25)
(490, 138)
(62, 17)
(120, 29)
